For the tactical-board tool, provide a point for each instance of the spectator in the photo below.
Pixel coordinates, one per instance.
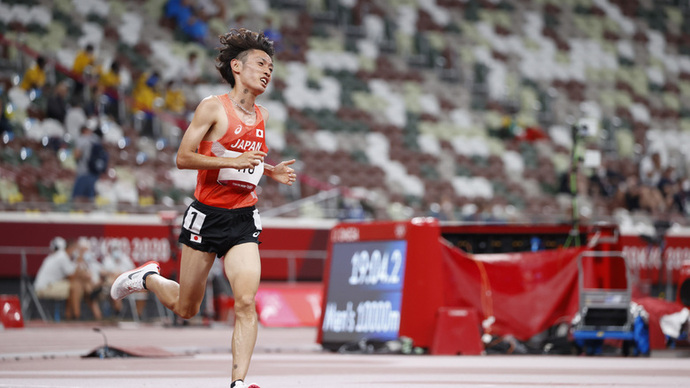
(171, 8)
(196, 29)
(145, 95)
(81, 67)
(5, 126)
(179, 11)
(91, 104)
(635, 196)
(209, 9)
(668, 177)
(174, 98)
(447, 208)
(670, 189)
(109, 80)
(89, 272)
(60, 277)
(84, 185)
(75, 119)
(145, 92)
(274, 35)
(114, 263)
(35, 76)
(57, 103)
(108, 85)
(605, 179)
(191, 72)
(84, 59)
(651, 168)
(86, 145)
(55, 275)
(681, 198)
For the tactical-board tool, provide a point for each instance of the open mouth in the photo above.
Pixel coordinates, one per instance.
(264, 81)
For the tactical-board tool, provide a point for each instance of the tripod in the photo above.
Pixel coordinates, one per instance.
(575, 159)
(27, 292)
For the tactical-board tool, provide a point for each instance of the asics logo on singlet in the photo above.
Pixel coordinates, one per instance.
(238, 129)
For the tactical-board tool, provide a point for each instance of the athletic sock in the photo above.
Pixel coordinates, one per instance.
(143, 280)
(233, 383)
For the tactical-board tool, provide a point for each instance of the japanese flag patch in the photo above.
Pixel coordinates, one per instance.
(195, 238)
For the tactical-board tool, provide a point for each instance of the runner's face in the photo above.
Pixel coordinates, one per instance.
(256, 71)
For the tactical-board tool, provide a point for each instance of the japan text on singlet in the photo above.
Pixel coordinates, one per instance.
(231, 188)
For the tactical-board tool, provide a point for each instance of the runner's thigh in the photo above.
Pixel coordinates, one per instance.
(194, 268)
(243, 269)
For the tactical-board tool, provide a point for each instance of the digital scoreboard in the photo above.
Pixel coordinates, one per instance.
(365, 292)
(379, 277)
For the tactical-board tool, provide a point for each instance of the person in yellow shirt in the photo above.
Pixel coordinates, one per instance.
(108, 84)
(84, 59)
(109, 80)
(145, 94)
(35, 76)
(175, 100)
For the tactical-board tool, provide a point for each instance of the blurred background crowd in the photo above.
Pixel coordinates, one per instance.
(459, 109)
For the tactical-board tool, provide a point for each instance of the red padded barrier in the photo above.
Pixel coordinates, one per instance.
(457, 332)
(11, 311)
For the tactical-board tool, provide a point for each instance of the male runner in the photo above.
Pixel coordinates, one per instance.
(226, 142)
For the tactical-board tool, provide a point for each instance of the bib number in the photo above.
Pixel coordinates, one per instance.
(246, 178)
(193, 220)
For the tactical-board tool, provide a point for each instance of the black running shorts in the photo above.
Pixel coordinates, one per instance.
(213, 229)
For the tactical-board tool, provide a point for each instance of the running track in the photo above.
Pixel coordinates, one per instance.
(50, 356)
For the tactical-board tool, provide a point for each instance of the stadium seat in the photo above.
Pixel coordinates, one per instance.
(369, 88)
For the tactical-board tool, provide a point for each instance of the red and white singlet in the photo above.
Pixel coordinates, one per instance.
(231, 188)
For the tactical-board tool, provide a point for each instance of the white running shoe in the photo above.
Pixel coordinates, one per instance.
(132, 281)
(242, 384)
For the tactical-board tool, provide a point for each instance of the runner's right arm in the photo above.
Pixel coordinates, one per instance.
(204, 122)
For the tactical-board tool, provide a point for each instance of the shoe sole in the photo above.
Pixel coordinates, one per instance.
(130, 273)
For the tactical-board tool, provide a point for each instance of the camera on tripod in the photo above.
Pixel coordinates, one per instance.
(586, 127)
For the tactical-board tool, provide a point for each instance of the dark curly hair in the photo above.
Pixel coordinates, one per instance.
(236, 45)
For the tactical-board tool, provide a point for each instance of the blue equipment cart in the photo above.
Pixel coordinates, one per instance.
(606, 313)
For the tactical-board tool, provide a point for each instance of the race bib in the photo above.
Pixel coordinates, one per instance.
(245, 179)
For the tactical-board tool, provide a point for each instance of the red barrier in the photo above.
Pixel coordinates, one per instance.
(142, 241)
(526, 292)
(287, 251)
(289, 305)
(650, 263)
(11, 312)
(290, 249)
(457, 332)
(657, 308)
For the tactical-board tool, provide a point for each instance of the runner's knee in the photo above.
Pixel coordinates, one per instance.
(245, 304)
(187, 311)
